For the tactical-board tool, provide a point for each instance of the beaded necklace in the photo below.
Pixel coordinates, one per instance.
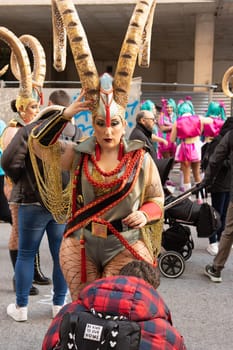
(127, 160)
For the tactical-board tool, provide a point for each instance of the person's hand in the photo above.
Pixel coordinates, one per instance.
(204, 184)
(165, 142)
(136, 219)
(77, 106)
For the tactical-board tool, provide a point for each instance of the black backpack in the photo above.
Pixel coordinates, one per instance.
(89, 330)
(208, 221)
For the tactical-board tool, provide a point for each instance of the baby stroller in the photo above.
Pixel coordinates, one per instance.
(180, 213)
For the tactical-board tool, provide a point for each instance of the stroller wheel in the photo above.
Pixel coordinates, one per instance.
(171, 264)
(186, 251)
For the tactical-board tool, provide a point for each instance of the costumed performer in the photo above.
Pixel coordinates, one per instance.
(114, 210)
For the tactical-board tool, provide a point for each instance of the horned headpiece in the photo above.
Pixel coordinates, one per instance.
(30, 82)
(227, 78)
(109, 94)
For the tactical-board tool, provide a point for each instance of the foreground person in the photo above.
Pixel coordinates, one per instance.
(117, 197)
(113, 205)
(148, 310)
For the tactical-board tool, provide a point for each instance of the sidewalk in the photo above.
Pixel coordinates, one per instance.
(201, 310)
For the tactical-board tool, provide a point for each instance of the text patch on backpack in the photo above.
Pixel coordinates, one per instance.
(93, 332)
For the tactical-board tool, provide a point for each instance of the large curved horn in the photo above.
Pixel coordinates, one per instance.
(83, 59)
(130, 50)
(144, 51)
(21, 54)
(39, 60)
(59, 40)
(4, 69)
(227, 77)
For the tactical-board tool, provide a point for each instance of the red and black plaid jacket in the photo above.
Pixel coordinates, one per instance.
(131, 297)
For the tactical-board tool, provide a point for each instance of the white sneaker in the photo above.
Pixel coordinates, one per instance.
(56, 309)
(19, 314)
(212, 248)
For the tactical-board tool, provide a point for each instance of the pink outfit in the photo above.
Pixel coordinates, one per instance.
(188, 126)
(171, 146)
(212, 130)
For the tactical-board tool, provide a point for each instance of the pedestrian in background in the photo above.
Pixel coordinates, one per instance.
(223, 151)
(5, 214)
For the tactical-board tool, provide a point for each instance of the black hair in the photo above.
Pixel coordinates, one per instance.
(140, 115)
(144, 270)
(59, 97)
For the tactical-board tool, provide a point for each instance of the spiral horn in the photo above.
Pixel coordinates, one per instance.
(4, 69)
(59, 40)
(23, 61)
(227, 77)
(83, 59)
(137, 37)
(39, 60)
(130, 50)
(144, 51)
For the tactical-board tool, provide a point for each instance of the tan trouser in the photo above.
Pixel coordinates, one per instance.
(226, 241)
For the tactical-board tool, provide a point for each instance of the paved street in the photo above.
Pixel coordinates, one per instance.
(201, 310)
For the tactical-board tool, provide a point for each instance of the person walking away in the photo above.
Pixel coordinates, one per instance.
(220, 189)
(34, 221)
(24, 114)
(42, 221)
(222, 151)
(5, 214)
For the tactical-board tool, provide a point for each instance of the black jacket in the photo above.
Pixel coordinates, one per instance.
(17, 165)
(141, 133)
(222, 151)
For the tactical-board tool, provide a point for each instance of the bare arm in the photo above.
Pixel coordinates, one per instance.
(156, 138)
(67, 154)
(173, 133)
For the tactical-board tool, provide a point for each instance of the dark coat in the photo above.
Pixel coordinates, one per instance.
(223, 151)
(141, 133)
(17, 165)
(222, 182)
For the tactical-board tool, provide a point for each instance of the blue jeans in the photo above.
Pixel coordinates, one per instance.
(220, 202)
(34, 220)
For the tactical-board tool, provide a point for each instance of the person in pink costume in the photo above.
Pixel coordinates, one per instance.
(166, 119)
(216, 111)
(188, 128)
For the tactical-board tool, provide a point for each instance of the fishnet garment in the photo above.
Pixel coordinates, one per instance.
(70, 261)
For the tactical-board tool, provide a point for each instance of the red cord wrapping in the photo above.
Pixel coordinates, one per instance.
(121, 239)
